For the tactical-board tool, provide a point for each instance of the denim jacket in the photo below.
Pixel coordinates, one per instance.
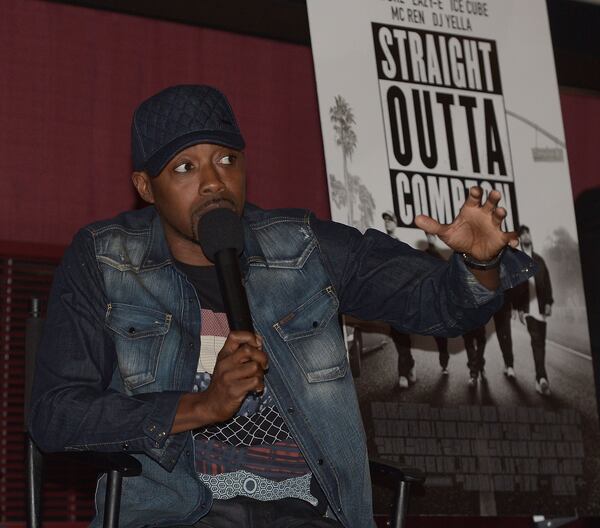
(122, 340)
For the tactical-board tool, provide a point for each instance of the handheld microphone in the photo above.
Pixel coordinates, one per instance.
(221, 237)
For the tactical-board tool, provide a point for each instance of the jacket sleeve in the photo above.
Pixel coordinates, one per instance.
(379, 278)
(73, 406)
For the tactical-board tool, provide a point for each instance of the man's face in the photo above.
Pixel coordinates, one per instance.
(390, 225)
(525, 238)
(196, 180)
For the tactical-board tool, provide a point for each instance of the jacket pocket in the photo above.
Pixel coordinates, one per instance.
(139, 333)
(313, 336)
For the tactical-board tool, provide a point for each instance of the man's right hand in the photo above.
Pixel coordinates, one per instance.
(240, 369)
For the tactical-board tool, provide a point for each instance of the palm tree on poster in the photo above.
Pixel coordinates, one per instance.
(342, 118)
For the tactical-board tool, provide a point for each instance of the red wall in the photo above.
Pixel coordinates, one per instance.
(71, 78)
(581, 118)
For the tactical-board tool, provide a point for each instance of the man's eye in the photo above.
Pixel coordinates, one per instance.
(184, 167)
(228, 160)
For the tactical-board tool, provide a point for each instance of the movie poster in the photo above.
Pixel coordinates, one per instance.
(420, 100)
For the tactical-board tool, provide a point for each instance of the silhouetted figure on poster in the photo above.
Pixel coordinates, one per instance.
(533, 300)
(475, 346)
(407, 373)
(441, 342)
(502, 321)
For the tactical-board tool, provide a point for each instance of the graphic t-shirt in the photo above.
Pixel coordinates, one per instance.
(253, 453)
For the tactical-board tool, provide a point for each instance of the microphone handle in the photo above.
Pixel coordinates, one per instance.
(232, 290)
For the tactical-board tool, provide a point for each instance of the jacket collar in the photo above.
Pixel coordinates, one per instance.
(252, 249)
(158, 253)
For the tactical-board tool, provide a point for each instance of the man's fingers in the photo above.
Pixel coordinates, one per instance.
(428, 224)
(238, 338)
(250, 369)
(498, 215)
(241, 357)
(247, 353)
(474, 198)
(511, 239)
(492, 201)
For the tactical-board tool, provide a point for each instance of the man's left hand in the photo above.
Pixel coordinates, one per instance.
(477, 228)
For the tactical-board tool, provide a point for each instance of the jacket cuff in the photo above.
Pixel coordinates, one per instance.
(160, 421)
(515, 267)
(159, 445)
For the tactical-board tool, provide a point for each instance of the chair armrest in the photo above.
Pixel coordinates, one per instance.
(104, 462)
(402, 478)
(396, 472)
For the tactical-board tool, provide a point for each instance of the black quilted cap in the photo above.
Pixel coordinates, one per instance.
(179, 117)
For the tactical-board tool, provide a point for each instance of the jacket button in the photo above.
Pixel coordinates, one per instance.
(187, 453)
(125, 446)
(315, 324)
(132, 330)
(291, 410)
(320, 461)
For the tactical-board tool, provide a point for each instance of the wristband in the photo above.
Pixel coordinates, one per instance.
(482, 265)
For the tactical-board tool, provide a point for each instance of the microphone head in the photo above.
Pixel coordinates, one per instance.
(220, 229)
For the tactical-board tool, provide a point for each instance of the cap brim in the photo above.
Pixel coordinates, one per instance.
(157, 161)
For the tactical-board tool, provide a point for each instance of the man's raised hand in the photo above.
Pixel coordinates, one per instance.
(476, 230)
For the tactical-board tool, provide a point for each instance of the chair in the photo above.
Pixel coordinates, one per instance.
(402, 479)
(116, 465)
(120, 465)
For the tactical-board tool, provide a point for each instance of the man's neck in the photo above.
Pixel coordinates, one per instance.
(185, 250)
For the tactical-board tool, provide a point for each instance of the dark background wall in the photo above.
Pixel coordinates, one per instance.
(72, 76)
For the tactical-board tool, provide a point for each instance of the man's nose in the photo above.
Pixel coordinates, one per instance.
(210, 181)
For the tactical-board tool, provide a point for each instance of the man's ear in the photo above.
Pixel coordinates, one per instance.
(142, 183)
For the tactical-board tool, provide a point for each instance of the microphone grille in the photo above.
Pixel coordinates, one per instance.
(220, 229)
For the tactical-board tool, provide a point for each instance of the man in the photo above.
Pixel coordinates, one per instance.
(441, 342)
(533, 300)
(502, 321)
(266, 429)
(475, 342)
(390, 223)
(407, 369)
